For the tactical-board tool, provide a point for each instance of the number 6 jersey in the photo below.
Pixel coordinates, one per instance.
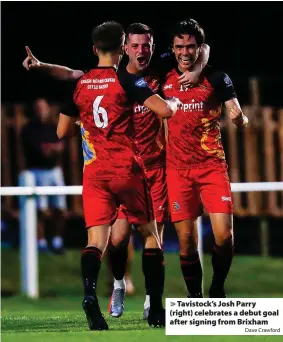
(104, 98)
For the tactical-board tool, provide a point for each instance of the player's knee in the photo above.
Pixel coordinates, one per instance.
(225, 239)
(119, 241)
(101, 245)
(98, 236)
(188, 245)
(188, 241)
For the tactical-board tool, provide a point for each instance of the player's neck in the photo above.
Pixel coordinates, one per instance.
(133, 70)
(184, 70)
(109, 61)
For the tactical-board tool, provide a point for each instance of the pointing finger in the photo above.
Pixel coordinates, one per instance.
(29, 52)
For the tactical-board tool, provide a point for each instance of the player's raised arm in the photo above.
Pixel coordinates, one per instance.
(59, 72)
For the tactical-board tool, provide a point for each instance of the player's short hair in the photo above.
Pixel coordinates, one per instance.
(138, 28)
(191, 27)
(108, 36)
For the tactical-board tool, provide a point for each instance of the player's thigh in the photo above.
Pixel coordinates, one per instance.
(158, 191)
(99, 203)
(187, 234)
(215, 190)
(133, 194)
(183, 197)
(57, 179)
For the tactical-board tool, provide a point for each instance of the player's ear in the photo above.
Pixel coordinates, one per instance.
(153, 47)
(94, 48)
(126, 49)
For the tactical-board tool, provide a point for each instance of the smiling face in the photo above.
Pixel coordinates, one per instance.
(186, 51)
(139, 48)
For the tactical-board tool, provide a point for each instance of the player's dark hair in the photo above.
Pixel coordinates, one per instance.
(188, 26)
(108, 36)
(138, 28)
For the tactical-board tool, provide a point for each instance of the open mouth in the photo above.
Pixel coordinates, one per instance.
(185, 60)
(141, 60)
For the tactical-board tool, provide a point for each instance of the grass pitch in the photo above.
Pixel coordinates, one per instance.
(58, 317)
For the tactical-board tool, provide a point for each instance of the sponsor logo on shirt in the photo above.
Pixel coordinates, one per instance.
(140, 109)
(141, 83)
(192, 106)
(168, 86)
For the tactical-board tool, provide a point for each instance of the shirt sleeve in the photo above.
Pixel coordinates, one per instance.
(135, 86)
(224, 87)
(69, 107)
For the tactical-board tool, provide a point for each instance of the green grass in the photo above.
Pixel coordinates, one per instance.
(61, 319)
(58, 316)
(60, 276)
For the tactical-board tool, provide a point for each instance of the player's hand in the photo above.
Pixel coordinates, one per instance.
(189, 78)
(174, 103)
(237, 117)
(31, 62)
(241, 121)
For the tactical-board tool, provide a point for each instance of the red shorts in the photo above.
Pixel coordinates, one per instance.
(101, 198)
(156, 181)
(192, 189)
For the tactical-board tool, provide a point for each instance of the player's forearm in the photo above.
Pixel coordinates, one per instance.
(67, 126)
(71, 132)
(162, 108)
(203, 58)
(60, 72)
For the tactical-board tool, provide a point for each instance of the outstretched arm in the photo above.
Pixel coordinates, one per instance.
(189, 78)
(59, 72)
